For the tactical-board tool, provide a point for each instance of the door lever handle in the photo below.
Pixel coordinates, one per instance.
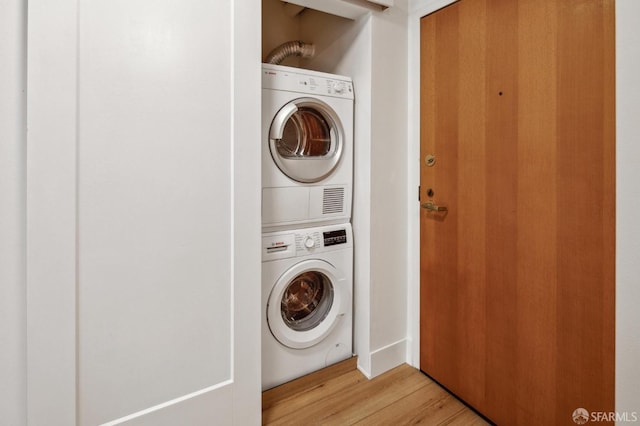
(429, 205)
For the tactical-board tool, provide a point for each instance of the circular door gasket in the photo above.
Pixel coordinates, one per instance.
(306, 300)
(306, 303)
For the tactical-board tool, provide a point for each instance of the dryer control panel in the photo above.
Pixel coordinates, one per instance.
(292, 79)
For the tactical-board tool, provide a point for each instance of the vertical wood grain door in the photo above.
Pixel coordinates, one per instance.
(518, 145)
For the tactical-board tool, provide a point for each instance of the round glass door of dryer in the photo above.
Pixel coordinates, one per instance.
(306, 140)
(305, 304)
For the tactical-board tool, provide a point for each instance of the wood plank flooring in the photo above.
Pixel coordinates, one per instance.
(341, 395)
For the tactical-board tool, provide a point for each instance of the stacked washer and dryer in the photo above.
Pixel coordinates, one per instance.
(307, 241)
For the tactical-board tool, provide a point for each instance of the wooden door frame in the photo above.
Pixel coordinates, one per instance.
(627, 204)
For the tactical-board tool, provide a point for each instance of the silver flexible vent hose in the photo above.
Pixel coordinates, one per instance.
(290, 48)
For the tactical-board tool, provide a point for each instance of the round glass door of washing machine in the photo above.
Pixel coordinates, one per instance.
(305, 304)
(306, 140)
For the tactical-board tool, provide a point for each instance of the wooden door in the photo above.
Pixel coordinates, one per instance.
(517, 276)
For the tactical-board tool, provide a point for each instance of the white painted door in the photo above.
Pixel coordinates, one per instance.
(143, 223)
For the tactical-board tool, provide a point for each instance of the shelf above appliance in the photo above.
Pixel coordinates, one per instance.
(350, 9)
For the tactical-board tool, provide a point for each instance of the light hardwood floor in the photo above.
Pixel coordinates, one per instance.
(341, 395)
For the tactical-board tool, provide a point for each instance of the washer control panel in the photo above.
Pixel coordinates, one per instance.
(304, 242)
(332, 238)
(308, 241)
(311, 240)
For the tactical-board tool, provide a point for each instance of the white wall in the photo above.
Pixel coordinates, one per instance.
(12, 212)
(246, 224)
(389, 196)
(628, 205)
(283, 25)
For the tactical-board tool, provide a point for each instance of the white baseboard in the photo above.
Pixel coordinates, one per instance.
(364, 372)
(388, 357)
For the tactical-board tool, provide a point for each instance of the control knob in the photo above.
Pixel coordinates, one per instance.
(309, 242)
(338, 88)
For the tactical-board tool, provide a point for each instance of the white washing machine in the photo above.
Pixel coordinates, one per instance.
(307, 286)
(307, 147)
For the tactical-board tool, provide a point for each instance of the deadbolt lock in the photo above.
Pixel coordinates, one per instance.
(430, 160)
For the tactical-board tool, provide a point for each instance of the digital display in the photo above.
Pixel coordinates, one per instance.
(332, 238)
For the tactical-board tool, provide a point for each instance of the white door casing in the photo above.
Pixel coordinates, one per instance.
(12, 212)
(142, 197)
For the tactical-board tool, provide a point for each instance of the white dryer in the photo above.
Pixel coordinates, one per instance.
(307, 285)
(307, 147)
